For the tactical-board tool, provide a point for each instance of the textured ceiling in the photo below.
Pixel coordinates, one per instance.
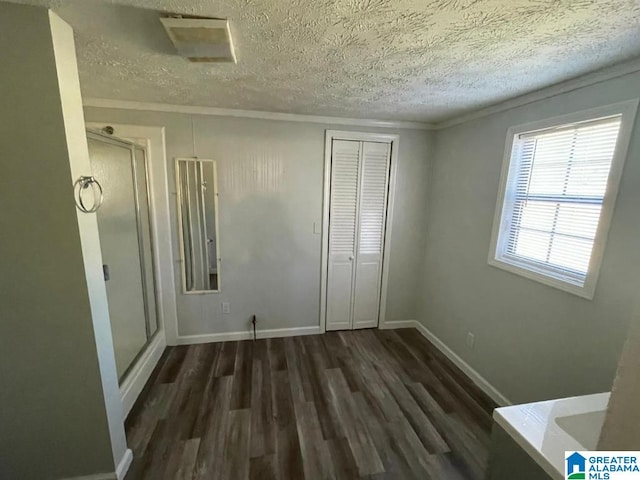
(424, 60)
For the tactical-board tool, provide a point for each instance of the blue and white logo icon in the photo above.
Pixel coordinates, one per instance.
(602, 465)
(576, 466)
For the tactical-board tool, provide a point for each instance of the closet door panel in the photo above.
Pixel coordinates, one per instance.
(367, 295)
(374, 185)
(345, 157)
(339, 297)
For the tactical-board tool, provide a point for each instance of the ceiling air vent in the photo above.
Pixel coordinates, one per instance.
(201, 39)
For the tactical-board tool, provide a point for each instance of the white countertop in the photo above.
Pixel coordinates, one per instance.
(546, 429)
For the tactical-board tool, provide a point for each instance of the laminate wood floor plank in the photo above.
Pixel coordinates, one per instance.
(263, 468)
(394, 466)
(344, 465)
(263, 433)
(211, 447)
(207, 404)
(367, 404)
(466, 450)
(316, 459)
(278, 359)
(418, 343)
(188, 460)
(289, 456)
(358, 438)
(153, 409)
(227, 363)
(236, 461)
(169, 370)
(418, 366)
(313, 368)
(241, 395)
(426, 432)
(453, 390)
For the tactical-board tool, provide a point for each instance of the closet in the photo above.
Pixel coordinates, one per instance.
(359, 186)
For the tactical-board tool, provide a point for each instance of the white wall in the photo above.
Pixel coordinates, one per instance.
(532, 341)
(270, 183)
(60, 408)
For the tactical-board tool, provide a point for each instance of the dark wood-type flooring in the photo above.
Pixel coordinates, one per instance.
(375, 404)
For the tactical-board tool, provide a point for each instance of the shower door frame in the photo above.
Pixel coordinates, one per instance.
(131, 146)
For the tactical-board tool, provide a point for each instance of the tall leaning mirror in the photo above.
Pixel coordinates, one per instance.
(197, 194)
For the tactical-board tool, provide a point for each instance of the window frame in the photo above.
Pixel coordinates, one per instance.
(502, 220)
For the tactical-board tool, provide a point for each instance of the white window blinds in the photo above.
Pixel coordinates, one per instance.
(557, 183)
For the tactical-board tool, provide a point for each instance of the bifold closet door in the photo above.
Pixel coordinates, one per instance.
(357, 218)
(345, 162)
(372, 213)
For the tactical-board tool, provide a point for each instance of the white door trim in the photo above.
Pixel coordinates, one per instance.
(331, 135)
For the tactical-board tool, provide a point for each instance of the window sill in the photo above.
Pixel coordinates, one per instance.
(586, 292)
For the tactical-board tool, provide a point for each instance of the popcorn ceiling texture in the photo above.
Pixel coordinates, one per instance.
(425, 60)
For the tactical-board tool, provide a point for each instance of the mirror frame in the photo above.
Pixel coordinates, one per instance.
(181, 260)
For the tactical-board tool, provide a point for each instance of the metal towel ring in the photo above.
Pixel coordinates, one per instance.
(83, 183)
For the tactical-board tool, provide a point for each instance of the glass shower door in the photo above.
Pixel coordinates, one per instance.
(125, 240)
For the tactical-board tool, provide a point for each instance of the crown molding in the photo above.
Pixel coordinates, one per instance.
(598, 76)
(255, 114)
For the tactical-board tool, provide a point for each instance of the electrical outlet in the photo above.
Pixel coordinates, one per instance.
(471, 340)
(226, 307)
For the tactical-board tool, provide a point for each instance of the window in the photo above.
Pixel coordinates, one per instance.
(559, 183)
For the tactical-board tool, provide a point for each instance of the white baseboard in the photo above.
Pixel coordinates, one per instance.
(478, 379)
(398, 324)
(246, 335)
(125, 463)
(138, 376)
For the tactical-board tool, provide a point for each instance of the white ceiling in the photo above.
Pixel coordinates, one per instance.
(424, 60)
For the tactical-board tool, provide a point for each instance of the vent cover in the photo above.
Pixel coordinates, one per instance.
(201, 39)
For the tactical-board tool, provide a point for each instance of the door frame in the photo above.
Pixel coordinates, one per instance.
(154, 138)
(394, 140)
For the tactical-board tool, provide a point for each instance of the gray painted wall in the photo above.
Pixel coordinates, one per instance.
(270, 183)
(532, 341)
(59, 402)
(620, 430)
